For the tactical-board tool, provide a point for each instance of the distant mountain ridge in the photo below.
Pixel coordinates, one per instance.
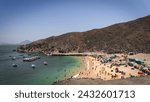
(25, 42)
(123, 37)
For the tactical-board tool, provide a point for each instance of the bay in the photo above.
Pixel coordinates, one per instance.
(58, 68)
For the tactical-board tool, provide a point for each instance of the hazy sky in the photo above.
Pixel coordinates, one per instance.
(36, 19)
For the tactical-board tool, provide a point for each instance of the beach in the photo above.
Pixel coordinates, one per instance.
(118, 68)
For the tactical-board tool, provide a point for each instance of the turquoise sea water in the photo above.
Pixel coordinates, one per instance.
(58, 68)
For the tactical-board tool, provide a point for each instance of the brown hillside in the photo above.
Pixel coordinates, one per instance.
(123, 37)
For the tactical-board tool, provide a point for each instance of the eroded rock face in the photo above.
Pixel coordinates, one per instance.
(124, 37)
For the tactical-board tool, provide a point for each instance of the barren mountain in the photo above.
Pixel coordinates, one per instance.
(123, 37)
(24, 42)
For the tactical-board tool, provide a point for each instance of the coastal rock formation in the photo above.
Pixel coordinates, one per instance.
(123, 37)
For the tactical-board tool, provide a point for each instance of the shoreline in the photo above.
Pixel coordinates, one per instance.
(91, 67)
(71, 70)
(94, 69)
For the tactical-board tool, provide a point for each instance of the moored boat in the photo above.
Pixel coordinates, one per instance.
(33, 65)
(29, 59)
(14, 65)
(45, 63)
(13, 58)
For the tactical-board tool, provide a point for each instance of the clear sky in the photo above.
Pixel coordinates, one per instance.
(36, 19)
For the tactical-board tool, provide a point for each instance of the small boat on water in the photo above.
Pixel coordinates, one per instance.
(29, 59)
(14, 50)
(13, 58)
(33, 65)
(45, 63)
(14, 65)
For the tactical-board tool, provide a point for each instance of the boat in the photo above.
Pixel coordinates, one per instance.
(45, 63)
(29, 59)
(13, 58)
(14, 65)
(14, 50)
(33, 65)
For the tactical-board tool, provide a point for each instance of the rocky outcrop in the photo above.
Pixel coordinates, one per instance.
(124, 37)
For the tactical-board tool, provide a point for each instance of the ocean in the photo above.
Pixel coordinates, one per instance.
(58, 68)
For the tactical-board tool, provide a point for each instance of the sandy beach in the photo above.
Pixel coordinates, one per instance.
(117, 68)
